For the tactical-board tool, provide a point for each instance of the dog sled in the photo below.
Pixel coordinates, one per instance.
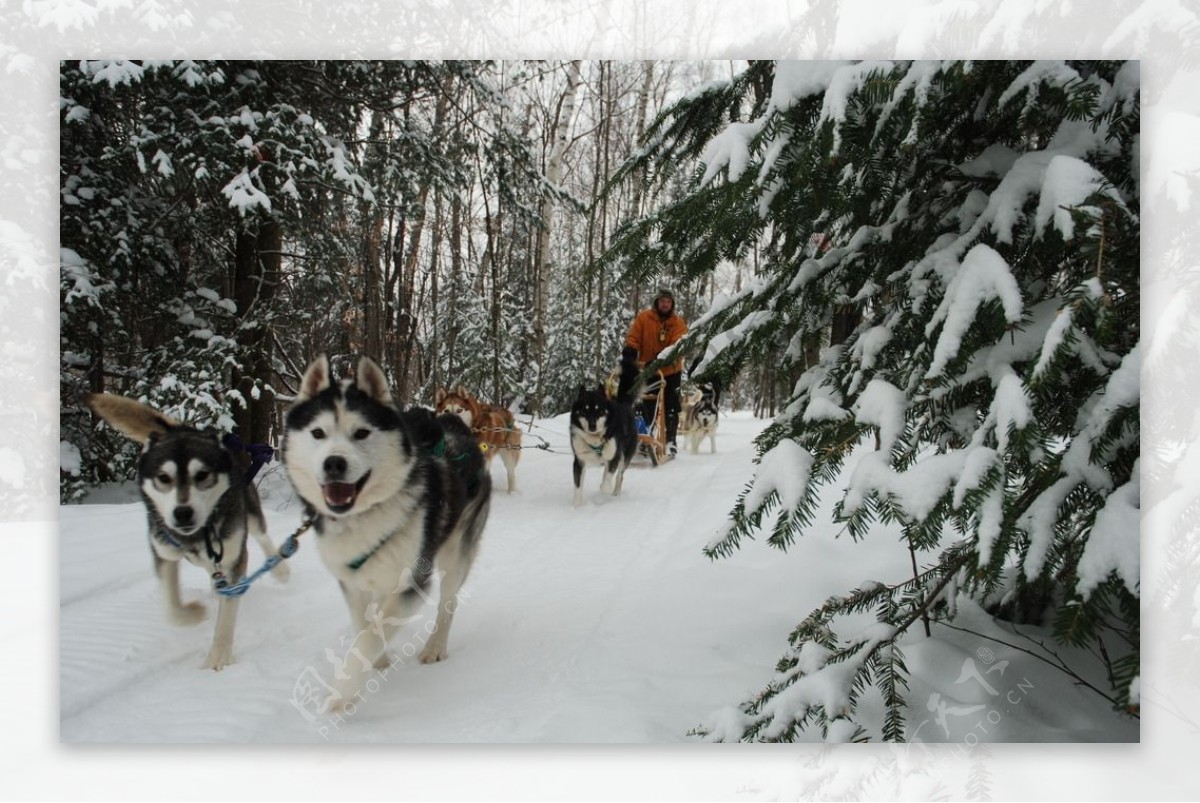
(650, 417)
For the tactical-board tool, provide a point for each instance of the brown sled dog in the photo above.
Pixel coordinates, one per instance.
(494, 427)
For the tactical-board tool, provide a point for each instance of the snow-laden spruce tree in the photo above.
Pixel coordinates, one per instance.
(222, 221)
(948, 255)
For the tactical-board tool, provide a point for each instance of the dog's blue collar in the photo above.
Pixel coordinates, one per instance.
(215, 552)
(165, 536)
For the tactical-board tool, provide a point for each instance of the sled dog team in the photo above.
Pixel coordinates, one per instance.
(393, 497)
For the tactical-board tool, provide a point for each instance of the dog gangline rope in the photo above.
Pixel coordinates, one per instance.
(288, 548)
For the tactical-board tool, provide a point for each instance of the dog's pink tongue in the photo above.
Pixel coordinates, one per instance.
(340, 493)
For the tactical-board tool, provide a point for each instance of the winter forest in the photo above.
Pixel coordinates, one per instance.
(922, 277)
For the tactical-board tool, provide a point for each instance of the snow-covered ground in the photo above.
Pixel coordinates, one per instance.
(599, 624)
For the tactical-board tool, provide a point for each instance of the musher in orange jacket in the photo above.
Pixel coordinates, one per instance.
(652, 331)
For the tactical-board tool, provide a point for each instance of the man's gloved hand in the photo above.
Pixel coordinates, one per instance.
(629, 357)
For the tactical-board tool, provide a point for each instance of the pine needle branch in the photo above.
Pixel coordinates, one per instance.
(1058, 663)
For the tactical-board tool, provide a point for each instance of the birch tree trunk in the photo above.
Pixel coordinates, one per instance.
(603, 162)
(554, 171)
(594, 215)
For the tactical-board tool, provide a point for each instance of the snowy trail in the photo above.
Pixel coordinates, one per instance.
(599, 624)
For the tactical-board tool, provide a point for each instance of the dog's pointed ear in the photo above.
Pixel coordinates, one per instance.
(439, 396)
(132, 419)
(461, 390)
(316, 378)
(372, 381)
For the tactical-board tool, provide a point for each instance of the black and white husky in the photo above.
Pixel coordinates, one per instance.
(700, 419)
(602, 434)
(395, 496)
(199, 508)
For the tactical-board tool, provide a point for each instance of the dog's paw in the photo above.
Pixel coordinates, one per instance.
(343, 693)
(383, 662)
(190, 614)
(432, 654)
(218, 658)
(334, 704)
(282, 572)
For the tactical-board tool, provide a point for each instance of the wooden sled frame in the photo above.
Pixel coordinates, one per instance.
(653, 444)
(654, 401)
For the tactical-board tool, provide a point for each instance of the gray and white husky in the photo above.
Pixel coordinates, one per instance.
(700, 419)
(603, 434)
(395, 497)
(199, 508)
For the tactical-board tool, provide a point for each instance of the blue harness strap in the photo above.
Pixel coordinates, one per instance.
(227, 589)
(165, 536)
(288, 548)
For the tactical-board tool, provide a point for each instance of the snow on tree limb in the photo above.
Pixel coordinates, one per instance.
(983, 276)
(975, 304)
(1113, 546)
(244, 196)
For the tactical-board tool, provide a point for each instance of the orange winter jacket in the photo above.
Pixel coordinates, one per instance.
(650, 334)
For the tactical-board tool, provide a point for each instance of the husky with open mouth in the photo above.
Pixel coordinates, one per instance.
(395, 497)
